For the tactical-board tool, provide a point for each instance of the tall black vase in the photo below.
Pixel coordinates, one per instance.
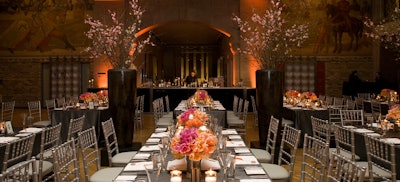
(122, 96)
(269, 86)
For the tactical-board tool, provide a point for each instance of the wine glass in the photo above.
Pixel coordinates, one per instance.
(224, 160)
(23, 115)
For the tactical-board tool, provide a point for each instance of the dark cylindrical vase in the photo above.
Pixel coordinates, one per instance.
(122, 96)
(269, 95)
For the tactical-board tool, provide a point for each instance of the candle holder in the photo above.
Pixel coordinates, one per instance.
(211, 176)
(176, 176)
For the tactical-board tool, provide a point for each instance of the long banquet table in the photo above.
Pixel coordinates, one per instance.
(302, 118)
(136, 170)
(360, 148)
(218, 111)
(93, 117)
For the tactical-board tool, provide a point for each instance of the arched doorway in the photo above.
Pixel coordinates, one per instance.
(185, 46)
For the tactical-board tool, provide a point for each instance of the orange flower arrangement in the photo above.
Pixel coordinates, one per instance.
(309, 95)
(192, 118)
(386, 92)
(88, 97)
(292, 94)
(194, 143)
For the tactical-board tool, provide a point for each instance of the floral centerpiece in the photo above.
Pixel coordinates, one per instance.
(88, 97)
(192, 118)
(270, 37)
(291, 97)
(102, 97)
(393, 116)
(117, 41)
(195, 143)
(387, 95)
(309, 96)
(309, 99)
(201, 98)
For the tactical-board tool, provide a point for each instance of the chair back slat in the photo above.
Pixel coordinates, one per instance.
(290, 140)
(315, 159)
(75, 126)
(22, 172)
(272, 137)
(344, 139)
(380, 155)
(352, 117)
(344, 169)
(17, 151)
(35, 110)
(66, 167)
(110, 138)
(89, 149)
(7, 111)
(321, 129)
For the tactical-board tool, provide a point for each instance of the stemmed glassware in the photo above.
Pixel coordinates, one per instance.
(24, 118)
(225, 159)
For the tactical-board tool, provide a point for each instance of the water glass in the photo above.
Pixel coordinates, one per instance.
(231, 166)
(156, 157)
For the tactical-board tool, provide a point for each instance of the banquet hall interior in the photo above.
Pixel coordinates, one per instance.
(348, 60)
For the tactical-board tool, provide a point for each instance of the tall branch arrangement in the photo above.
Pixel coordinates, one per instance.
(386, 32)
(118, 39)
(270, 37)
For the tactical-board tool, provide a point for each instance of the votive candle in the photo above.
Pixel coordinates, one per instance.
(211, 176)
(176, 176)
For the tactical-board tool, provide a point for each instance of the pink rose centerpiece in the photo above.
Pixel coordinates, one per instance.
(192, 118)
(88, 97)
(200, 98)
(194, 143)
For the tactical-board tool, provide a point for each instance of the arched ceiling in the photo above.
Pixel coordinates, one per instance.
(188, 33)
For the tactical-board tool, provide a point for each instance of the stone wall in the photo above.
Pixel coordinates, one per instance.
(21, 80)
(339, 68)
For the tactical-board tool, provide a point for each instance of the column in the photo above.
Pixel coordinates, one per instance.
(194, 62)
(202, 65)
(207, 66)
(182, 67)
(187, 64)
(219, 68)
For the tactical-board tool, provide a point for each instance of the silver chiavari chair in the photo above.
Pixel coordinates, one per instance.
(66, 165)
(315, 159)
(342, 168)
(267, 155)
(25, 171)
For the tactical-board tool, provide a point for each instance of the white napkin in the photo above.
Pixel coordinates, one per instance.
(349, 127)
(23, 134)
(235, 143)
(7, 139)
(363, 130)
(59, 109)
(138, 166)
(153, 140)
(177, 164)
(122, 178)
(229, 132)
(207, 164)
(246, 160)
(235, 137)
(158, 130)
(395, 141)
(241, 150)
(159, 135)
(102, 108)
(31, 130)
(251, 170)
(139, 156)
(149, 148)
(255, 180)
(373, 134)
